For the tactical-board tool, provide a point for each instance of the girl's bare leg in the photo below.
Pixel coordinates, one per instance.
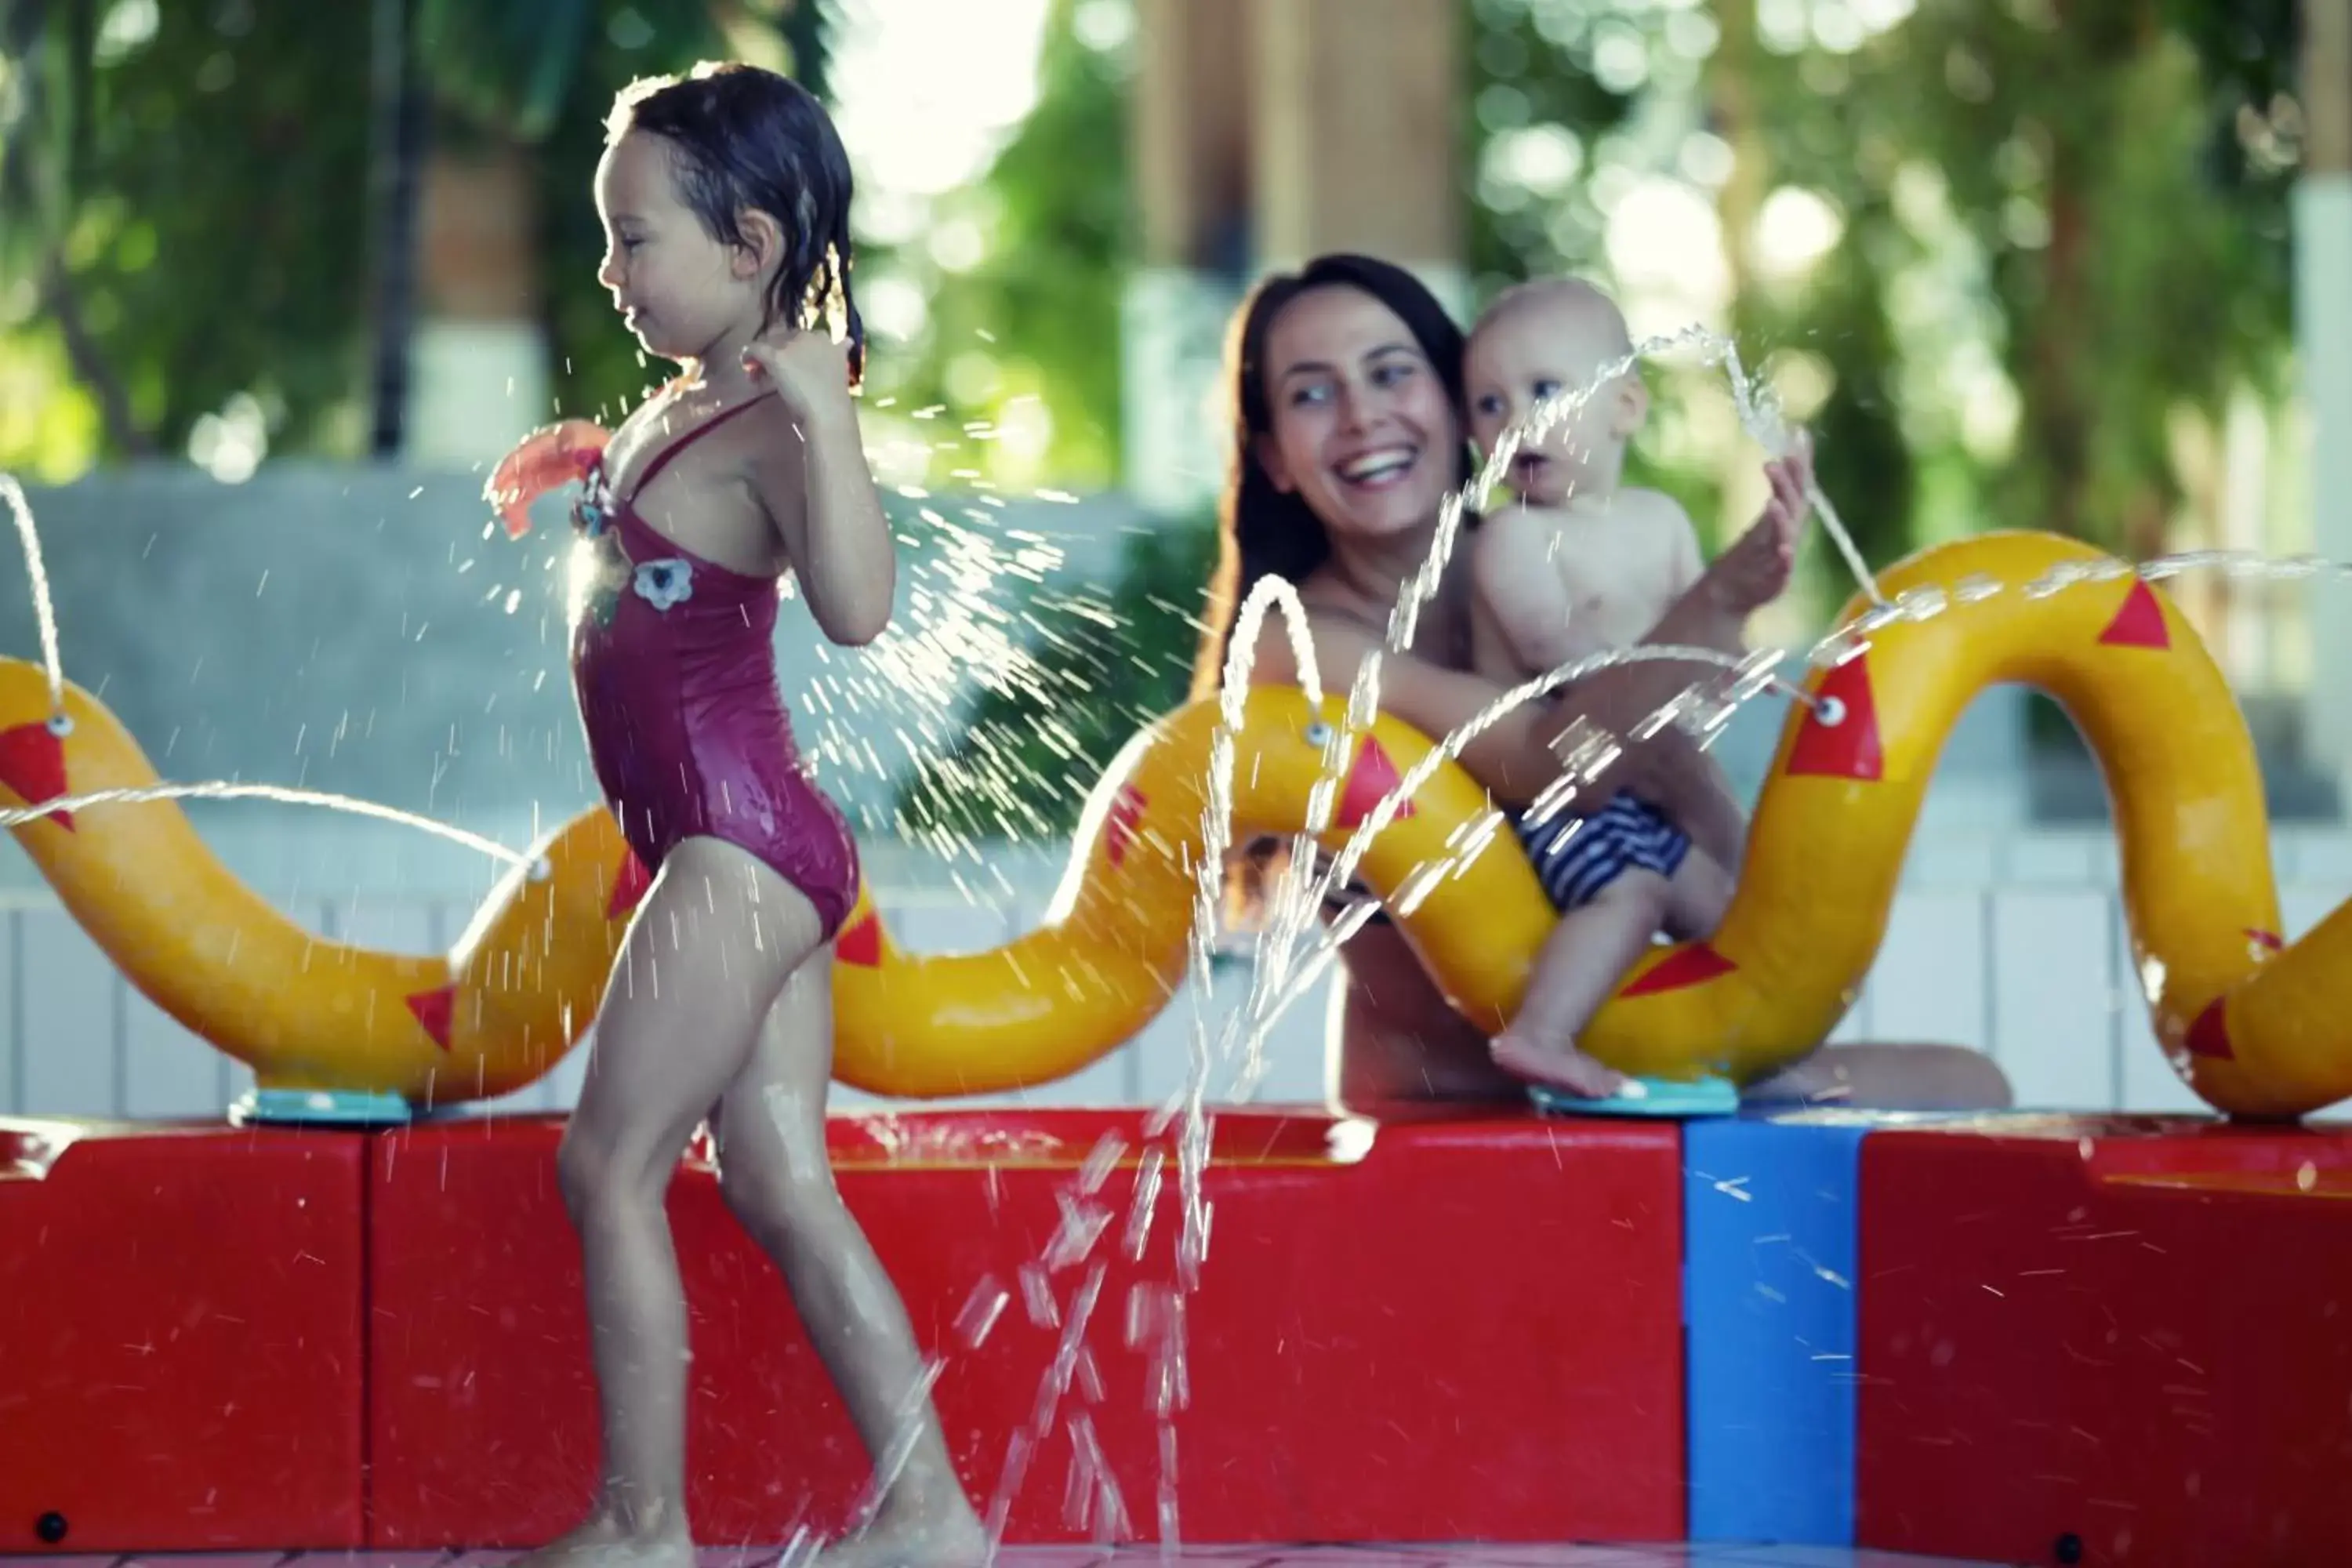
(773, 1170)
(711, 946)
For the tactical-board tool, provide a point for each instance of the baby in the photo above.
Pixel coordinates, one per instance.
(1577, 564)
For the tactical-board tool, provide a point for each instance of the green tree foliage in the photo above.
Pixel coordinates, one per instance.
(1038, 315)
(184, 218)
(189, 198)
(2094, 206)
(1102, 667)
(2133, 240)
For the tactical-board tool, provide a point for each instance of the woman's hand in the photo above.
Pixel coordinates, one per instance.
(548, 458)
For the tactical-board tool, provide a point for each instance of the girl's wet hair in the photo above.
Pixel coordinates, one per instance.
(746, 139)
(1262, 531)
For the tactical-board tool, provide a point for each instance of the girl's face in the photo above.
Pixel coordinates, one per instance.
(678, 290)
(1362, 429)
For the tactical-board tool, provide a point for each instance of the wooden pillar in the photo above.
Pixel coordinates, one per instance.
(1263, 132)
(480, 373)
(1188, 148)
(1356, 142)
(2323, 291)
(1191, 130)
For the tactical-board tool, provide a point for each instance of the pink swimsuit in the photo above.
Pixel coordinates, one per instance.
(675, 669)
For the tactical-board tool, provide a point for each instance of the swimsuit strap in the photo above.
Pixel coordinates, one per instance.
(662, 458)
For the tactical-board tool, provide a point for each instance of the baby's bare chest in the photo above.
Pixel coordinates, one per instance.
(1613, 577)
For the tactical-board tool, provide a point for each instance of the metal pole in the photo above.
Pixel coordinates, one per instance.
(399, 126)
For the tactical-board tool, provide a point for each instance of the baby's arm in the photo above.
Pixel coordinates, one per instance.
(822, 497)
(1701, 804)
(1688, 564)
(1512, 571)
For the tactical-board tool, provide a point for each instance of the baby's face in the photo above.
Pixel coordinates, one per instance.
(1541, 352)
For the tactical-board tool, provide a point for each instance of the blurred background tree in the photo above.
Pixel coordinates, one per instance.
(1019, 274)
(1990, 258)
(2015, 260)
(185, 228)
(1113, 659)
(211, 209)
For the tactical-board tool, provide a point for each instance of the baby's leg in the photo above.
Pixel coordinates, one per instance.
(1697, 896)
(1698, 800)
(1713, 816)
(773, 1169)
(1581, 964)
(703, 961)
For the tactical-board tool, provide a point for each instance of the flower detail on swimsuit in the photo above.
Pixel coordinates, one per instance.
(662, 584)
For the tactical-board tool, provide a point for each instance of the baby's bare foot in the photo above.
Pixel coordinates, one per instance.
(602, 1544)
(914, 1537)
(1561, 1067)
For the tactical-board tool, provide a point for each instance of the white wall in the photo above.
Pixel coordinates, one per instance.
(2010, 944)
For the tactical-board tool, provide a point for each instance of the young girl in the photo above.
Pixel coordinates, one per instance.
(725, 198)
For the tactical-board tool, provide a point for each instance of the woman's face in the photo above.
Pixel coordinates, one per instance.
(1362, 428)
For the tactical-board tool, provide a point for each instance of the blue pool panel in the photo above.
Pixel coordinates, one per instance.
(1771, 1233)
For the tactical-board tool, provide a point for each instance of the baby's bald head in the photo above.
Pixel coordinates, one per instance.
(1565, 309)
(1538, 339)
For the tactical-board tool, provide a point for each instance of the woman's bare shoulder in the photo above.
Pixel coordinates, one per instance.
(1337, 640)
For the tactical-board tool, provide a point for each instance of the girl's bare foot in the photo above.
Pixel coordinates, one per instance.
(1559, 1067)
(913, 1537)
(602, 1542)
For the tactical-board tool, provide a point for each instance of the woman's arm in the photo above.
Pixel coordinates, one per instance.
(1514, 758)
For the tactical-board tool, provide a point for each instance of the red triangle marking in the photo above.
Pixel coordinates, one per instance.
(1119, 826)
(2269, 939)
(1850, 748)
(32, 763)
(2139, 623)
(1684, 966)
(1369, 781)
(433, 1009)
(629, 886)
(2210, 1034)
(861, 943)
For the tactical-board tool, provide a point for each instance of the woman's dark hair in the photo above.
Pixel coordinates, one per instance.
(1263, 530)
(744, 138)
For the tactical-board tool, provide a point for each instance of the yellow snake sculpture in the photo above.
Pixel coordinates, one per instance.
(2257, 1027)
